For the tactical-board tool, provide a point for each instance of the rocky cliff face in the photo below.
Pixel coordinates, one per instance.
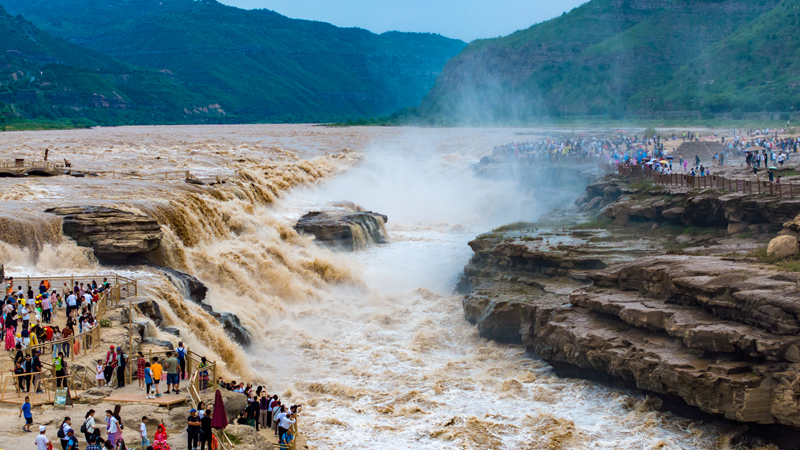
(717, 333)
(113, 234)
(344, 225)
(735, 212)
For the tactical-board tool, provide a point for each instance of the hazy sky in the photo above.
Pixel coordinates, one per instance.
(462, 19)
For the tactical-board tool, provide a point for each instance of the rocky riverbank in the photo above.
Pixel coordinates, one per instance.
(670, 290)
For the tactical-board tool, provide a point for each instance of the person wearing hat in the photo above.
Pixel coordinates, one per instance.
(193, 430)
(72, 441)
(41, 439)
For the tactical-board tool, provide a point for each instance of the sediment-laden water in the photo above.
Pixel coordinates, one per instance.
(373, 342)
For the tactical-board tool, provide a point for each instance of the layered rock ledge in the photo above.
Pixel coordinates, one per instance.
(111, 233)
(677, 299)
(345, 226)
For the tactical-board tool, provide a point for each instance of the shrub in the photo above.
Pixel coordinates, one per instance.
(105, 323)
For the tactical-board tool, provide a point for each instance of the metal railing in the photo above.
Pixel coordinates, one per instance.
(751, 186)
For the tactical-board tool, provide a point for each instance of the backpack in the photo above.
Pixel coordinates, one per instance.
(83, 427)
(60, 433)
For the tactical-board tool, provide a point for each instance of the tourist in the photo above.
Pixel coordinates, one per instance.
(100, 376)
(205, 430)
(771, 175)
(60, 366)
(97, 437)
(112, 427)
(203, 373)
(253, 410)
(172, 373)
(157, 370)
(47, 314)
(88, 425)
(42, 443)
(277, 409)
(264, 415)
(120, 444)
(181, 353)
(148, 380)
(26, 317)
(193, 428)
(66, 333)
(201, 409)
(72, 441)
(36, 367)
(25, 410)
(72, 304)
(63, 429)
(160, 439)
(111, 364)
(94, 443)
(28, 366)
(122, 360)
(143, 432)
(140, 364)
(285, 421)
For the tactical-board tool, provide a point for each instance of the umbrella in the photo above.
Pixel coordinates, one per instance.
(670, 157)
(219, 419)
(773, 168)
(663, 161)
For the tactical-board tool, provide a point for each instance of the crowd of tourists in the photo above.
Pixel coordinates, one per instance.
(612, 150)
(264, 411)
(28, 321)
(95, 437)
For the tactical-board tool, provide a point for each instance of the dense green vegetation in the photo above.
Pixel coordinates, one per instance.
(237, 65)
(47, 82)
(675, 60)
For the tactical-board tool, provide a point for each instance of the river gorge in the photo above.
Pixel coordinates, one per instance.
(374, 342)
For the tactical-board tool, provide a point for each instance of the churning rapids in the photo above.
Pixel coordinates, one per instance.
(373, 342)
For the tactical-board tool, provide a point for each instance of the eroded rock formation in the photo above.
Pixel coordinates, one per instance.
(718, 333)
(344, 225)
(111, 233)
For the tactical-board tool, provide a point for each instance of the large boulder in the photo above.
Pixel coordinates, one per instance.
(783, 247)
(111, 233)
(234, 402)
(344, 225)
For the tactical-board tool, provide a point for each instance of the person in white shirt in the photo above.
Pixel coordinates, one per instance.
(72, 303)
(143, 433)
(41, 439)
(285, 422)
(88, 421)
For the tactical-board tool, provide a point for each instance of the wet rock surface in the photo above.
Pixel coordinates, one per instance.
(344, 225)
(194, 290)
(111, 233)
(707, 325)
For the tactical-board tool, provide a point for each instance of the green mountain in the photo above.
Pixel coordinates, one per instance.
(47, 78)
(256, 64)
(615, 57)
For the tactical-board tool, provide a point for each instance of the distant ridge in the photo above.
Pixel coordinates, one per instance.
(47, 78)
(611, 58)
(257, 65)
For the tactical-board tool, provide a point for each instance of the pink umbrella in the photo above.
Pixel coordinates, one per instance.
(219, 418)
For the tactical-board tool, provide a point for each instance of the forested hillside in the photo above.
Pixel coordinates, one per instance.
(256, 65)
(627, 57)
(46, 78)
